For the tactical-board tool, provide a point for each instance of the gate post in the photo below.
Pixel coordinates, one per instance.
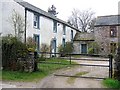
(110, 66)
(70, 58)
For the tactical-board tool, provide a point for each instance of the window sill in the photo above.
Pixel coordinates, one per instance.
(36, 28)
(113, 36)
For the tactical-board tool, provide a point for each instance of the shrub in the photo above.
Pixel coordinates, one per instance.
(117, 65)
(31, 43)
(68, 48)
(93, 48)
(111, 83)
(12, 49)
(90, 51)
(44, 48)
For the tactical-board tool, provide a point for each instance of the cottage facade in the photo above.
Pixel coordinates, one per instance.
(107, 33)
(40, 25)
(106, 36)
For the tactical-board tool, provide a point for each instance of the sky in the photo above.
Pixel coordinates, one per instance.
(65, 7)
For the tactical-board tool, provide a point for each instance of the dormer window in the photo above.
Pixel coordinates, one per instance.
(113, 31)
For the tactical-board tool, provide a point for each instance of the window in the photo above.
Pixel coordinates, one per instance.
(55, 26)
(63, 42)
(113, 47)
(36, 21)
(113, 31)
(64, 30)
(37, 38)
(71, 35)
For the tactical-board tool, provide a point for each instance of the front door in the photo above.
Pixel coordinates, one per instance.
(83, 48)
(54, 46)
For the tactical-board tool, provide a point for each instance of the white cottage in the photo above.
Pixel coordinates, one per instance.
(41, 25)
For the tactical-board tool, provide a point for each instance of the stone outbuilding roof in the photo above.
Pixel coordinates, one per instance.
(108, 20)
(42, 12)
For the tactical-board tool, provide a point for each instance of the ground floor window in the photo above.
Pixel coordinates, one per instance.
(37, 41)
(113, 47)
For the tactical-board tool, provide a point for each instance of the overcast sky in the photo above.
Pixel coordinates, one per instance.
(64, 7)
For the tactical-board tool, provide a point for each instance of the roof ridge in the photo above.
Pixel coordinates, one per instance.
(108, 16)
(42, 12)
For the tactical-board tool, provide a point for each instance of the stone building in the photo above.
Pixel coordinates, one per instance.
(82, 42)
(106, 35)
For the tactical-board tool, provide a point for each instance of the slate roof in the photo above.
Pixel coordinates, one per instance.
(42, 12)
(108, 20)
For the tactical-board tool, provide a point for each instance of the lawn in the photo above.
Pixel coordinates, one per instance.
(44, 70)
(111, 83)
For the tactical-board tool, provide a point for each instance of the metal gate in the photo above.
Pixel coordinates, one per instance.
(70, 58)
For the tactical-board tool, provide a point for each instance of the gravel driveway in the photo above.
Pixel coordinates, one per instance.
(53, 81)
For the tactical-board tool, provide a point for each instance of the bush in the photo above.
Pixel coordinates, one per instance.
(44, 48)
(90, 51)
(117, 65)
(68, 48)
(111, 83)
(12, 49)
(31, 45)
(93, 48)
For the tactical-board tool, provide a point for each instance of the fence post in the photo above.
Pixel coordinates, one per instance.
(110, 65)
(70, 58)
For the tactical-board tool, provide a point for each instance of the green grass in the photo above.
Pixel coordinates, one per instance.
(76, 56)
(111, 83)
(81, 73)
(44, 70)
(0, 74)
(71, 80)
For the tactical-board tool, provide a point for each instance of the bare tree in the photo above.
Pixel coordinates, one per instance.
(83, 20)
(18, 23)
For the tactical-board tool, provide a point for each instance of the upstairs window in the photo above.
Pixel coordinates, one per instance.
(113, 31)
(55, 26)
(36, 21)
(64, 30)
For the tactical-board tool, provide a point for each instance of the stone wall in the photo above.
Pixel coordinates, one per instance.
(26, 64)
(102, 37)
(76, 46)
(82, 38)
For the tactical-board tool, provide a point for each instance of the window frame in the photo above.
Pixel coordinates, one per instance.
(113, 31)
(113, 47)
(55, 26)
(64, 30)
(37, 21)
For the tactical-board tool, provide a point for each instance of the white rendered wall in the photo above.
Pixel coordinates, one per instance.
(46, 30)
(46, 25)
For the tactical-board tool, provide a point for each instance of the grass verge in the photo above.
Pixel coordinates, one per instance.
(111, 83)
(44, 70)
